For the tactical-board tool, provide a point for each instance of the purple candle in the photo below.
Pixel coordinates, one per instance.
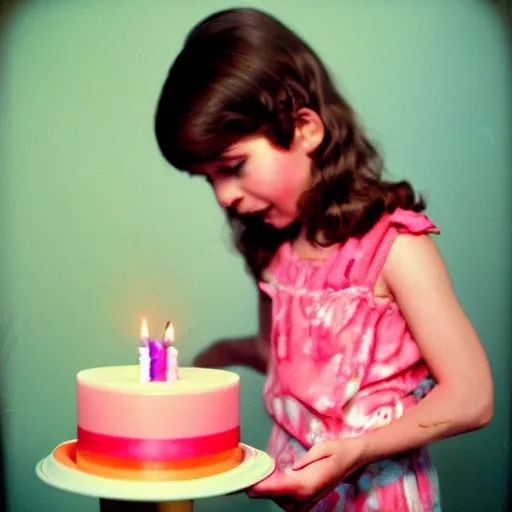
(157, 361)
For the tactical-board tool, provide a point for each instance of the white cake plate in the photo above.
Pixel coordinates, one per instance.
(255, 466)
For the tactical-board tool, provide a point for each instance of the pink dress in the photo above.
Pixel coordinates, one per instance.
(343, 362)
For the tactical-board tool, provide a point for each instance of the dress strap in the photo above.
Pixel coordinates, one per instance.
(376, 244)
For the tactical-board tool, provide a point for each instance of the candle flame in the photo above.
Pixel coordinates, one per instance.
(169, 332)
(144, 331)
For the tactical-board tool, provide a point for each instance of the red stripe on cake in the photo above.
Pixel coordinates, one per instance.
(157, 449)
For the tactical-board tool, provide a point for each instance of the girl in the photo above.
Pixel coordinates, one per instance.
(368, 354)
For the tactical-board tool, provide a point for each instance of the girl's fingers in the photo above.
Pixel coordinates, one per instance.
(277, 484)
(314, 454)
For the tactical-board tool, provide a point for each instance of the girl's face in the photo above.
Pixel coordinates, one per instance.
(255, 177)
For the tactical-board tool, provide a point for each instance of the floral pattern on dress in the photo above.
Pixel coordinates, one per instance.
(343, 362)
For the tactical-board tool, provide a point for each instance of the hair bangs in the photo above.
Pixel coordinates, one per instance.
(207, 106)
(204, 142)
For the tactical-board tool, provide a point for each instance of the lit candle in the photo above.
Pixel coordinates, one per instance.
(144, 358)
(158, 359)
(172, 353)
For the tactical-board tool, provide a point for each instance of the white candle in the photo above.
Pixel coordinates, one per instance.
(172, 354)
(172, 364)
(144, 359)
(144, 363)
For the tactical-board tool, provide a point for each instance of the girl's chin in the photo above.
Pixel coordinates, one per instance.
(278, 222)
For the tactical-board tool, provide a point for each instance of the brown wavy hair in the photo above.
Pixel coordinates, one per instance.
(241, 73)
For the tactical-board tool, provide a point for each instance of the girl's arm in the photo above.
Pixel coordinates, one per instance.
(463, 398)
(251, 351)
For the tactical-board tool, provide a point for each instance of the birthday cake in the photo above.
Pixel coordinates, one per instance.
(157, 431)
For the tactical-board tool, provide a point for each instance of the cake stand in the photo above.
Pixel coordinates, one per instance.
(62, 472)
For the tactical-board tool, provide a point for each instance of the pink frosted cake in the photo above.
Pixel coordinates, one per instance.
(157, 430)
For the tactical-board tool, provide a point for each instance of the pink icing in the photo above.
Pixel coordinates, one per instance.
(157, 416)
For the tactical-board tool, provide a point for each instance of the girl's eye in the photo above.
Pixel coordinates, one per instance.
(233, 170)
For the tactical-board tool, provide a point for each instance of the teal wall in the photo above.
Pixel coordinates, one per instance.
(97, 230)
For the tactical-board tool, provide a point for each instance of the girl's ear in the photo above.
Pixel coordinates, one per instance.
(310, 130)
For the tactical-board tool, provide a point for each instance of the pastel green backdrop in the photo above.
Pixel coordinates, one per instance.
(98, 230)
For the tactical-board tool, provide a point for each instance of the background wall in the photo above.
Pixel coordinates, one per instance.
(97, 230)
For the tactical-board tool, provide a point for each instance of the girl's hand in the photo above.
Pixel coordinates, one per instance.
(312, 477)
(217, 355)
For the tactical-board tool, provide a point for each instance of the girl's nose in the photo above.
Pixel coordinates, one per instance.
(228, 193)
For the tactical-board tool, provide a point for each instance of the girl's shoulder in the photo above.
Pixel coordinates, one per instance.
(369, 252)
(390, 225)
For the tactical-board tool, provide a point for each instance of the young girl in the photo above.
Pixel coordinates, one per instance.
(368, 354)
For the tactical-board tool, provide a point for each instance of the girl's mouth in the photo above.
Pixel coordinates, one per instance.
(258, 214)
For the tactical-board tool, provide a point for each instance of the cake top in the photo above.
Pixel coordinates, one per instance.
(127, 379)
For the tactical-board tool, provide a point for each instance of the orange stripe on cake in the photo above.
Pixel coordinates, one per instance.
(199, 467)
(188, 469)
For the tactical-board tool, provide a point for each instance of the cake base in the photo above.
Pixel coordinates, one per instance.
(139, 506)
(255, 466)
